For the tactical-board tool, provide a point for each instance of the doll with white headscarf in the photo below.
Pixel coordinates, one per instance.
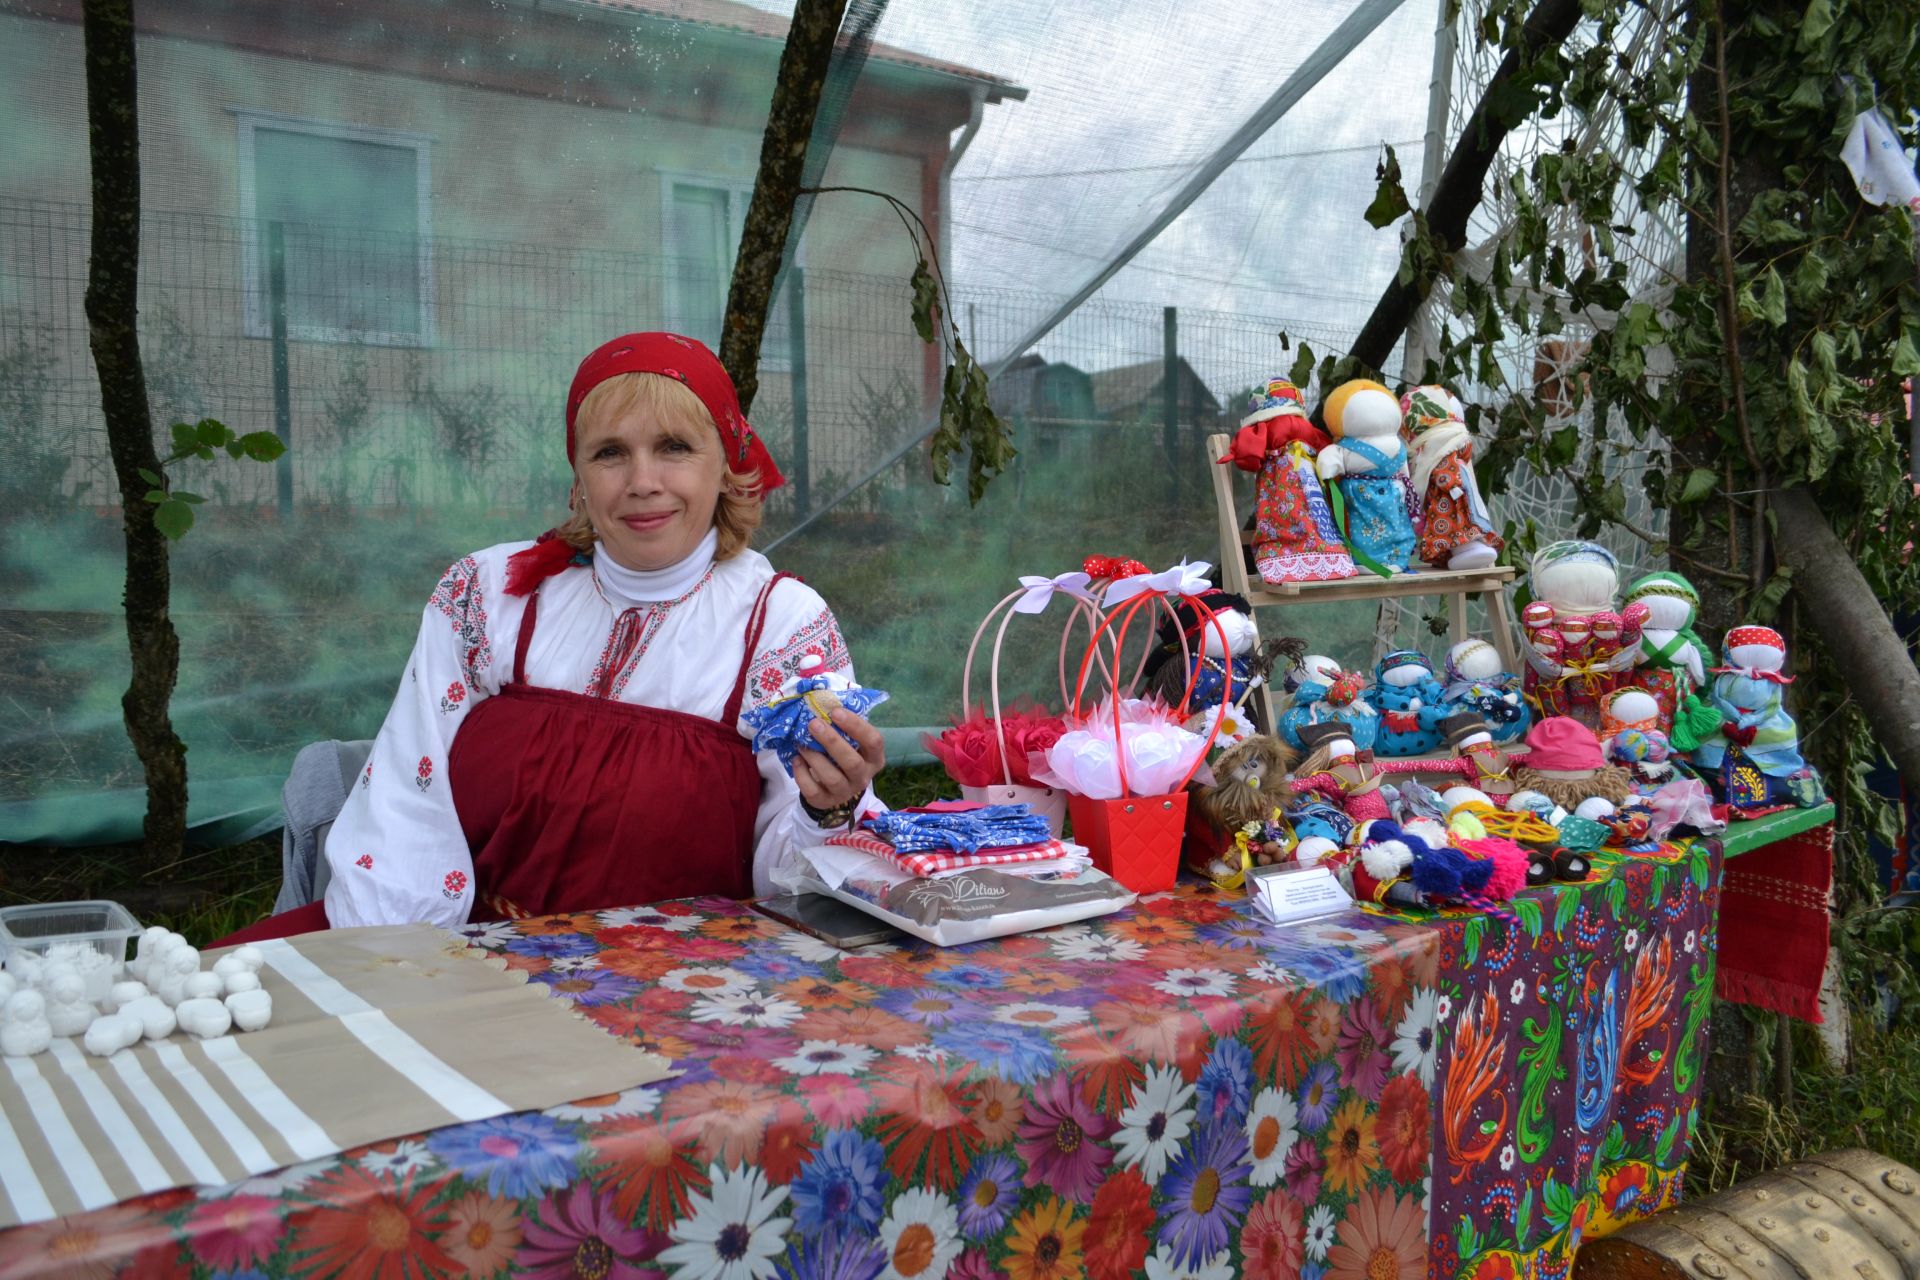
(1457, 531)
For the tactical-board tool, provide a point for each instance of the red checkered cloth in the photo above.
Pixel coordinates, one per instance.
(927, 864)
(1774, 925)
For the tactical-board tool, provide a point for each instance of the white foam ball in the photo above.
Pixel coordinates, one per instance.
(203, 986)
(251, 1010)
(1594, 807)
(112, 1032)
(204, 1018)
(157, 1020)
(245, 980)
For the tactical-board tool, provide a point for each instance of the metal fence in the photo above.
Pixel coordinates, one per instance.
(426, 373)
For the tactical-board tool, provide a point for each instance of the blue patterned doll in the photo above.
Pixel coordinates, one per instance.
(1369, 460)
(1475, 682)
(1753, 760)
(1323, 693)
(1411, 702)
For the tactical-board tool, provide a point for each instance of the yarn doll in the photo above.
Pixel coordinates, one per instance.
(1752, 760)
(1322, 692)
(1564, 762)
(1369, 460)
(1295, 536)
(1456, 531)
(1411, 702)
(1474, 682)
(1670, 660)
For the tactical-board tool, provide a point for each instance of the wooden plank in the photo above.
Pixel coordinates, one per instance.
(1233, 557)
(1745, 837)
(1500, 620)
(1370, 586)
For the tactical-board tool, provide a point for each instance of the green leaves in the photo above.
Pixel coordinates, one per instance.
(1817, 22)
(173, 508)
(1390, 202)
(1700, 483)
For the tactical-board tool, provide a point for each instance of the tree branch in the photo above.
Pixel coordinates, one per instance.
(1463, 182)
(783, 157)
(113, 280)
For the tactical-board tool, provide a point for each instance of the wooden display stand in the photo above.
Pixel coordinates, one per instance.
(1237, 576)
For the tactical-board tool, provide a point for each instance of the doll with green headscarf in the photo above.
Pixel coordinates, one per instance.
(1672, 663)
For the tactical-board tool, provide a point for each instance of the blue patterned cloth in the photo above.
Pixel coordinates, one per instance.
(994, 826)
(784, 726)
(1404, 729)
(1378, 522)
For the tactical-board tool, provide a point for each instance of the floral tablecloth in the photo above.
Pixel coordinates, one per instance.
(1570, 1062)
(1177, 1091)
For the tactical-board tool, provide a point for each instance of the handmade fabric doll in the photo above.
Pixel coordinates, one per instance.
(1753, 759)
(1322, 692)
(1475, 682)
(1295, 537)
(1575, 580)
(1671, 659)
(1339, 772)
(1565, 763)
(1476, 761)
(1370, 463)
(786, 723)
(1457, 531)
(1411, 703)
(1207, 663)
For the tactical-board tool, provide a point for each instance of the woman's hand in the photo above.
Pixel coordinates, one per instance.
(838, 773)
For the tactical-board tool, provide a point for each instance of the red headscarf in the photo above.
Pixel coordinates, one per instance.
(688, 362)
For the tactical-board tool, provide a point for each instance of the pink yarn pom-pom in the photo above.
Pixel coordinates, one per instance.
(1509, 865)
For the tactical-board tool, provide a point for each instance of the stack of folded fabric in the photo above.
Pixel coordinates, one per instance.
(949, 837)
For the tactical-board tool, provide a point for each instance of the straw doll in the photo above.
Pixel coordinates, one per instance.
(1295, 537)
(1370, 463)
(1457, 531)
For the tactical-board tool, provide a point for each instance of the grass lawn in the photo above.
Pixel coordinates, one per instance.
(210, 893)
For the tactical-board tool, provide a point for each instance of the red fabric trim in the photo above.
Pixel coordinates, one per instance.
(756, 623)
(526, 570)
(1775, 925)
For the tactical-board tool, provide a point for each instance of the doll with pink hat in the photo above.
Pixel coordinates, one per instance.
(1564, 762)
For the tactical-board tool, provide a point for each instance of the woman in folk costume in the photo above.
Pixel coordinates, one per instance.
(1457, 532)
(1296, 539)
(565, 737)
(1369, 460)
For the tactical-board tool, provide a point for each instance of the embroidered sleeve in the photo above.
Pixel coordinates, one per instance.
(775, 664)
(460, 598)
(397, 850)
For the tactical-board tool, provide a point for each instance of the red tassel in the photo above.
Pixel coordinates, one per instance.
(526, 570)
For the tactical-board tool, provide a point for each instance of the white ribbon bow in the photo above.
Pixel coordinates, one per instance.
(1040, 590)
(1182, 580)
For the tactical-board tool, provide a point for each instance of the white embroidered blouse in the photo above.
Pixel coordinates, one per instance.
(397, 850)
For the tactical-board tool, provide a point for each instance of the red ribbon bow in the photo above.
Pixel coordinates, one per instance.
(1112, 567)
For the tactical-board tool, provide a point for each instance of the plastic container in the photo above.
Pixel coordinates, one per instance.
(103, 926)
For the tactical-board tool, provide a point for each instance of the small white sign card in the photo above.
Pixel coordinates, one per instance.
(1291, 892)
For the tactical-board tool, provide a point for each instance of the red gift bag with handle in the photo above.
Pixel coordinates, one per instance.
(1136, 839)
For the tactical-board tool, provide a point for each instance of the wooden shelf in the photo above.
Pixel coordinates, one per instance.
(1237, 575)
(1371, 586)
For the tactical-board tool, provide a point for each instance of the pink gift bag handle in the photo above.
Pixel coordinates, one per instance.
(1125, 617)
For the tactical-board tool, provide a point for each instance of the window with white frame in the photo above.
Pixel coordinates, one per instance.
(702, 219)
(353, 208)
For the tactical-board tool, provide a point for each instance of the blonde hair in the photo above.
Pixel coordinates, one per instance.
(667, 401)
